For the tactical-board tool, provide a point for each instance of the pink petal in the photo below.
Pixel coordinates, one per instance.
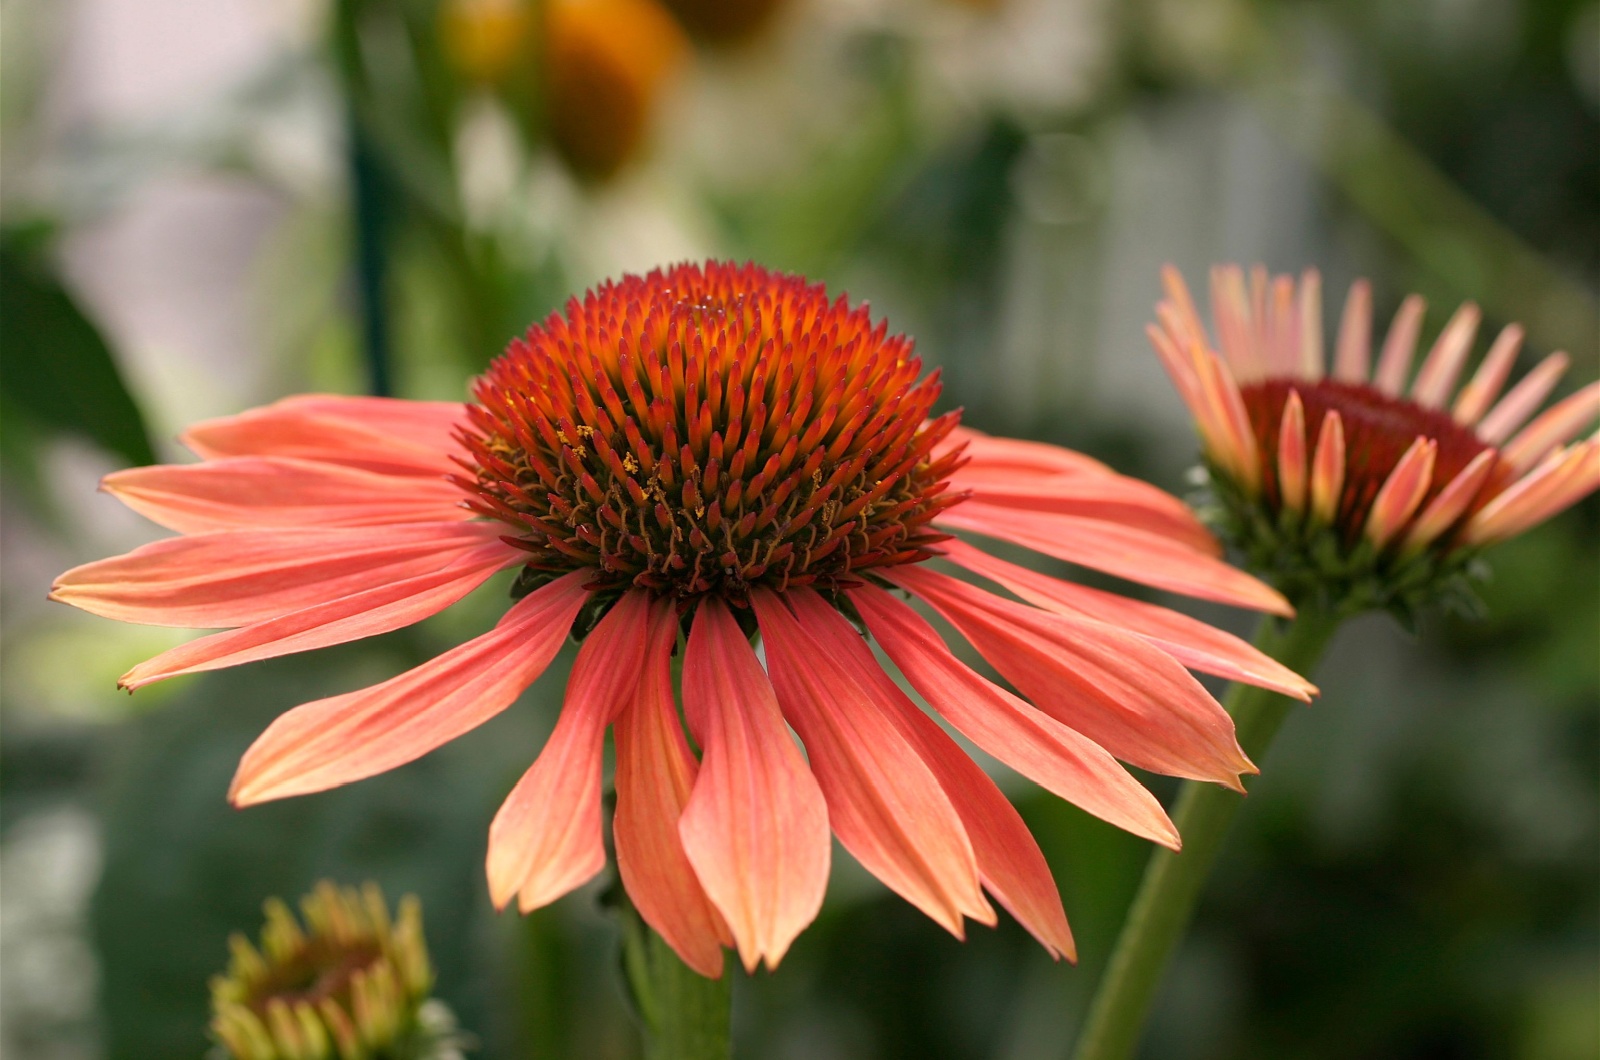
(1009, 862)
(986, 452)
(756, 826)
(655, 774)
(1451, 503)
(1312, 364)
(1327, 469)
(379, 434)
(1563, 479)
(1402, 492)
(1554, 427)
(1491, 375)
(1353, 357)
(884, 803)
(1292, 454)
(1130, 698)
(238, 577)
(1042, 749)
(1394, 364)
(388, 605)
(335, 741)
(1439, 372)
(261, 492)
(1124, 551)
(1524, 399)
(547, 837)
(1193, 643)
(1097, 496)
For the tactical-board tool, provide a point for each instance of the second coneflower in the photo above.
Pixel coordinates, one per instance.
(675, 464)
(1359, 483)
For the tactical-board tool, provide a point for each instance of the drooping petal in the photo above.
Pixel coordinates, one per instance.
(1292, 454)
(1484, 387)
(1563, 479)
(1193, 643)
(1124, 551)
(1096, 496)
(547, 837)
(986, 453)
(1394, 363)
(1402, 492)
(1554, 427)
(1327, 468)
(246, 492)
(388, 605)
(1451, 503)
(756, 825)
(379, 434)
(1353, 358)
(1437, 377)
(1523, 400)
(237, 577)
(1130, 698)
(335, 741)
(1009, 862)
(1058, 759)
(884, 803)
(655, 774)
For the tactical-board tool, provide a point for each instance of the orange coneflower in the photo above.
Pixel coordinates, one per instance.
(1338, 480)
(706, 453)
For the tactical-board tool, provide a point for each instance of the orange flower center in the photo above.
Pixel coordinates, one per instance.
(1378, 429)
(709, 430)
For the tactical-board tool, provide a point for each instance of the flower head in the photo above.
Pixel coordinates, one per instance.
(676, 463)
(348, 983)
(1368, 488)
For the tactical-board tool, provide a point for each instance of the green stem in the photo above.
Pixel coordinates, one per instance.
(686, 1016)
(1173, 881)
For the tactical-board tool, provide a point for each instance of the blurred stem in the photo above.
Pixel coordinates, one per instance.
(686, 1016)
(1173, 882)
(367, 204)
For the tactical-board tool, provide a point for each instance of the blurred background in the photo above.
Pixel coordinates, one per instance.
(209, 206)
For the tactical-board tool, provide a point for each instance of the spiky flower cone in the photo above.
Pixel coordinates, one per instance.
(344, 983)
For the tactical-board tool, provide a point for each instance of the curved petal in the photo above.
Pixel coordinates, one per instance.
(546, 838)
(238, 577)
(385, 607)
(756, 826)
(655, 774)
(1195, 644)
(1121, 550)
(1058, 759)
(884, 803)
(988, 453)
(1126, 696)
(1009, 861)
(1114, 498)
(334, 741)
(258, 492)
(386, 435)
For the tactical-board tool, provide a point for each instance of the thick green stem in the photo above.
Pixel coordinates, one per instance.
(1173, 881)
(686, 1016)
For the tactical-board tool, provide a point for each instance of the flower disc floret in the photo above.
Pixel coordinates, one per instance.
(710, 429)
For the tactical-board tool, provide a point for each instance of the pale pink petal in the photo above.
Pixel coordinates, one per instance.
(1327, 469)
(360, 734)
(1563, 479)
(1282, 328)
(388, 605)
(1058, 759)
(1312, 364)
(1484, 387)
(547, 838)
(1178, 294)
(1236, 450)
(1523, 400)
(655, 774)
(238, 577)
(1437, 377)
(1232, 312)
(756, 826)
(1292, 454)
(1127, 696)
(1353, 358)
(1554, 427)
(1394, 364)
(1402, 492)
(1195, 644)
(245, 492)
(1185, 379)
(1124, 551)
(1451, 503)
(379, 434)
(884, 803)
(1009, 862)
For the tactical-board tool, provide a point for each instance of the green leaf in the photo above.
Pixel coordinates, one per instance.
(56, 371)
